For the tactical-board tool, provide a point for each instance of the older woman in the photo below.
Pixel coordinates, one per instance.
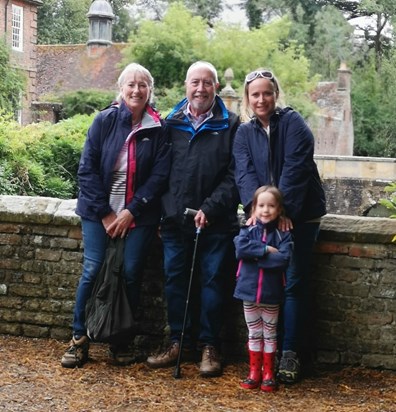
(275, 146)
(122, 174)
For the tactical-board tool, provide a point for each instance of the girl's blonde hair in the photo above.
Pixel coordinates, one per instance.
(246, 112)
(270, 189)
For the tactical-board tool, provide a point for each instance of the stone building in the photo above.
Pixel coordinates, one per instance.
(18, 25)
(332, 124)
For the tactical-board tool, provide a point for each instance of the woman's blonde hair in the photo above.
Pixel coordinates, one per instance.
(246, 112)
(136, 68)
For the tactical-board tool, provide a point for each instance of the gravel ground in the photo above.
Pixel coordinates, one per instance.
(31, 379)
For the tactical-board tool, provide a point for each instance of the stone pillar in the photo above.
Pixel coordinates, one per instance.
(346, 137)
(228, 94)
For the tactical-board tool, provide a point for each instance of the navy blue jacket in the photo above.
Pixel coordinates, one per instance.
(202, 170)
(260, 276)
(104, 141)
(285, 160)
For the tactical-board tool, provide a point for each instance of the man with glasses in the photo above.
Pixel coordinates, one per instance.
(201, 131)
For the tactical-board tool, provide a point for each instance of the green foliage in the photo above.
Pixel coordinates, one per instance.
(41, 159)
(66, 22)
(85, 102)
(373, 102)
(123, 23)
(63, 22)
(390, 203)
(168, 47)
(332, 43)
(12, 82)
(165, 99)
(207, 9)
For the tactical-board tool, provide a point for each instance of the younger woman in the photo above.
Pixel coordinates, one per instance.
(263, 252)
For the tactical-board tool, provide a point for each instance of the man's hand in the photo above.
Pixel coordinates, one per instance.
(200, 219)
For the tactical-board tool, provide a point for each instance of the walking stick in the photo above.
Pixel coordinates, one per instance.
(176, 373)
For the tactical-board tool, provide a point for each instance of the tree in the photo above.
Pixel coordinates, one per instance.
(168, 47)
(63, 22)
(332, 42)
(373, 103)
(207, 9)
(66, 22)
(123, 23)
(12, 83)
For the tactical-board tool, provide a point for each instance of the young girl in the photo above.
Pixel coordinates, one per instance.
(263, 252)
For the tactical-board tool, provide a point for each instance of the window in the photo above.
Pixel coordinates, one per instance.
(17, 27)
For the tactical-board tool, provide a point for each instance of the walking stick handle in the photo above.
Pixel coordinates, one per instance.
(190, 212)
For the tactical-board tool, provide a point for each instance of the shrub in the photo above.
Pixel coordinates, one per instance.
(41, 159)
(390, 203)
(85, 102)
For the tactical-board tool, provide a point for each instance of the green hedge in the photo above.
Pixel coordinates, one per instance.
(41, 159)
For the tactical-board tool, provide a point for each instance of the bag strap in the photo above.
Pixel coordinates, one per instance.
(118, 245)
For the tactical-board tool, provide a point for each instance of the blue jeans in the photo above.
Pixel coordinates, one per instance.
(137, 245)
(297, 290)
(211, 258)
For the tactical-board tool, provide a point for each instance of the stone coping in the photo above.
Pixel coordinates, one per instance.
(47, 210)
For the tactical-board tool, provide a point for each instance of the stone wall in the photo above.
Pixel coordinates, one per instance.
(353, 278)
(354, 185)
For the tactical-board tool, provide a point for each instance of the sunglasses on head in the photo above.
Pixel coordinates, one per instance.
(259, 73)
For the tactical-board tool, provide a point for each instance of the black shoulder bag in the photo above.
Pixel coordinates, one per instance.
(108, 313)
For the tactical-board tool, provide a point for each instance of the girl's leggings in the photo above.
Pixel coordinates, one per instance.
(261, 321)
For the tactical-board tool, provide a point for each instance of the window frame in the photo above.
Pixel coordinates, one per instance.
(17, 28)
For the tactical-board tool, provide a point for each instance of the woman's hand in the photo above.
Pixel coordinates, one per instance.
(285, 224)
(118, 225)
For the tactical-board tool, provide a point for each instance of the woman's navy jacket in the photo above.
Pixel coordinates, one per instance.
(260, 276)
(284, 159)
(105, 138)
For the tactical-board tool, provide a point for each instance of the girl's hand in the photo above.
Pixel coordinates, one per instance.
(271, 249)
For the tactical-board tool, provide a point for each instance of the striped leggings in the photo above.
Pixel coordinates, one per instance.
(262, 321)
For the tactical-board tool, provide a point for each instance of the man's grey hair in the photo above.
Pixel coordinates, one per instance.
(204, 64)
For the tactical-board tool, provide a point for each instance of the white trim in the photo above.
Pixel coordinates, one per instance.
(17, 28)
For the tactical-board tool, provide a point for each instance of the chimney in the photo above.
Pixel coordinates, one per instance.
(100, 16)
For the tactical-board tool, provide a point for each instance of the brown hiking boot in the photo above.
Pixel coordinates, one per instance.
(165, 359)
(77, 353)
(211, 363)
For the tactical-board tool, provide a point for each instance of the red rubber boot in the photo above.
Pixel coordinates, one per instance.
(253, 379)
(269, 383)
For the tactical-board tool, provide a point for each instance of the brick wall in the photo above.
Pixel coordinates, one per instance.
(353, 280)
(26, 60)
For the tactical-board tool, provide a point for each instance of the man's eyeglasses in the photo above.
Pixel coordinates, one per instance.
(260, 73)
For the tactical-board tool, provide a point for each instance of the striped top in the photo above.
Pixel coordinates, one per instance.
(118, 185)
